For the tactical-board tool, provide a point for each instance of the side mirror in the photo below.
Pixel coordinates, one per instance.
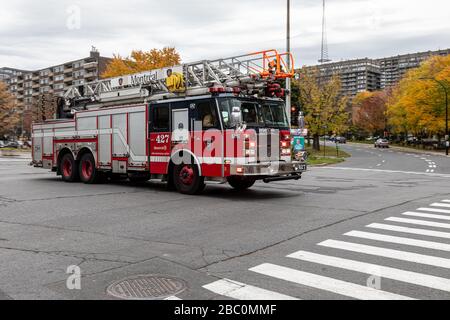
(236, 116)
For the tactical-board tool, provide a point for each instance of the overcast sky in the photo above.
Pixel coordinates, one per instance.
(37, 34)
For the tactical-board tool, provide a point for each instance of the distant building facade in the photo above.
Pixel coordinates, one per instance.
(373, 74)
(28, 85)
(394, 68)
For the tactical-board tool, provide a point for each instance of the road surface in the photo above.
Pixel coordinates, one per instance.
(374, 227)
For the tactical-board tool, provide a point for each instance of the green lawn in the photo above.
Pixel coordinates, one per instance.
(325, 157)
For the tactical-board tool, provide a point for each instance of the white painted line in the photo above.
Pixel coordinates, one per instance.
(383, 161)
(172, 298)
(434, 210)
(428, 170)
(444, 205)
(420, 222)
(379, 164)
(445, 200)
(388, 253)
(325, 283)
(384, 171)
(242, 291)
(424, 232)
(426, 215)
(399, 240)
(374, 269)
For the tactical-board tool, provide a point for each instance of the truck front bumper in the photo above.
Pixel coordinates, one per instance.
(268, 170)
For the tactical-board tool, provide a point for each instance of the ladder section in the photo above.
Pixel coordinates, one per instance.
(245, 71)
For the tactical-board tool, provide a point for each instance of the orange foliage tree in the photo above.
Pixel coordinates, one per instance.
(369, 111)
(140, 61)
(417, 104)
(9, 114)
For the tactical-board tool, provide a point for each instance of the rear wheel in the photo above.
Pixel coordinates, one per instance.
(187, 179)
(88, 172)
(68, 168)
(241, 183)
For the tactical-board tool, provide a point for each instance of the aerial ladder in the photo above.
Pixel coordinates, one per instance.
(249, 74)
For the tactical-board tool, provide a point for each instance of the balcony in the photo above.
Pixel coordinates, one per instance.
(91, 65)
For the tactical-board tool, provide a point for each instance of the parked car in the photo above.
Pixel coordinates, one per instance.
(382, 143)
(2, 144)
(12, 144)
(339, 139)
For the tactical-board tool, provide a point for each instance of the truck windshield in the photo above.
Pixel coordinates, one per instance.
(255, 113)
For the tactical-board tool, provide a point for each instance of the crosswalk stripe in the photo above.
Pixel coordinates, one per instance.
(400, 240)
(172, 298)
(426, 215)
(434, 210)
(381, 271)
(242, 291)
(325, 283)
(425, 232)
(388, 253)
(420, 222)
(444, 205)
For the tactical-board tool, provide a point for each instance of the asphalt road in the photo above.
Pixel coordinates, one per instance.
(351, 231)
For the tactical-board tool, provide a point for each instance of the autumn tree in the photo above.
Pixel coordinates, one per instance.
(417, 104)
(322, 103)
(369, 112)
(140, 61)
(9, 114)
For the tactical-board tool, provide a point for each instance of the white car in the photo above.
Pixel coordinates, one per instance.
(382, 143)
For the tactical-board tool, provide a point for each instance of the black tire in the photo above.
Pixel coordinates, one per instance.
(241, 183)
(88, 171)
(139, 178)
(187, 179)
(68, 168)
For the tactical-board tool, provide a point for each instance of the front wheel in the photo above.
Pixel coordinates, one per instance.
(187, 179)
(241, 183)
(88, 172)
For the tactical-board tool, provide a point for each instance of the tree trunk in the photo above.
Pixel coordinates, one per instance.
(316, 142)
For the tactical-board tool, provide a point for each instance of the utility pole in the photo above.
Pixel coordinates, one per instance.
(288, 50)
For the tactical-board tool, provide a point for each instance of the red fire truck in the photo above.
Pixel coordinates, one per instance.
(211, 121)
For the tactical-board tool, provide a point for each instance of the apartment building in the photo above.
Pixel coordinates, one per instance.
(373, 74)
(28, 85)
(393, 68)
(356, 75)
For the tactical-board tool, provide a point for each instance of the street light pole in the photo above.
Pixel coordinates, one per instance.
(288, 50)
(444, 87)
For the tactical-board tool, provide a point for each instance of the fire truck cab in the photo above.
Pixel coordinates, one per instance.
(233, 128)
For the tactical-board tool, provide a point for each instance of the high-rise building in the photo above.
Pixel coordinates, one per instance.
(393, 68)
(356, 75)
(28, 85)
(373, 74)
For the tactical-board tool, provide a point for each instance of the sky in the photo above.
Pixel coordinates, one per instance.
(38, 34)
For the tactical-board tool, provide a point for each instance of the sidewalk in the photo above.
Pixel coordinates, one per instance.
(406, 149)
